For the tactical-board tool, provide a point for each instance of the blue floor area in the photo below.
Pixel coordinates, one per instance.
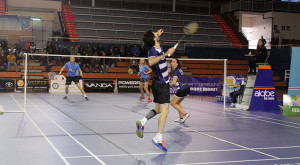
(55, 131)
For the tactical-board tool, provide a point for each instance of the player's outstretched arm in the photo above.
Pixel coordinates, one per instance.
(62, 69)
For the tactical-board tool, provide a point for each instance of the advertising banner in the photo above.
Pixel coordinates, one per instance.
(128, 85)
(98, 86)
(294, 80)
(291, 105)
(7, 85)
(209, 86)
(34, 86)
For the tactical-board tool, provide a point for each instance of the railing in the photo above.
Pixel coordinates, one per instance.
(186, 6)
(254, 6)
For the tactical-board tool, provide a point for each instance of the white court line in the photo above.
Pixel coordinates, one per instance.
(240, 161)
(42, 133)
(66, 132)
(248, 114)
(255, 118)
(205, 134)
(185, 152)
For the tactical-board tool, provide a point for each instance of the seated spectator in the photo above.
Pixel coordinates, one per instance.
(96, 63)
(87, 63)
(12, 49)
(73, 49)
(100, 50)
(20, 56)
(128, 50)
(81, 50)
(3, 44)
(112, 62)
(135, 51)
(47, 61)
(122, 51)
(32, 47)
(50, 48)
(65, 51)
(239, 92)
(104, 65)
(11, 59)
(143, 51)
(260, 55)
(88, 49)
(94, 50)
(3, 60)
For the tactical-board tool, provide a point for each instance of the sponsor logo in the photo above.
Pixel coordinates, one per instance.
(9, 84)
(20, 83)
(295, 110)
(267, 95)
(98, 85)
(55, 85)
(129, 82)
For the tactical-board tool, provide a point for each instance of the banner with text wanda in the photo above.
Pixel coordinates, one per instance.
(128, 85)
(98, 86)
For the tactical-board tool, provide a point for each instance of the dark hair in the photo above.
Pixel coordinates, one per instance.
(148, 38)
(177, 62)
(263, 44)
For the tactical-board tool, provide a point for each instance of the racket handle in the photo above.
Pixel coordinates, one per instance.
(175, 46)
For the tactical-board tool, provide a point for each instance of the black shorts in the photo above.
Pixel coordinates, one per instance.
(161, 93)
(74, 79)
(183, 92)
(143, 80)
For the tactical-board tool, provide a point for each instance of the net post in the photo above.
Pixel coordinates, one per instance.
(25, 82)
(224, 83)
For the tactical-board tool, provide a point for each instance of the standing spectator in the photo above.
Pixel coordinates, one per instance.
(143, 51)
(128, 51)
(135, 51)
(32, 47)
(73, 49)
(11, 59)
(3, 59)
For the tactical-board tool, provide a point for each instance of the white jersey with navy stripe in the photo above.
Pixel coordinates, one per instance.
(160, 70)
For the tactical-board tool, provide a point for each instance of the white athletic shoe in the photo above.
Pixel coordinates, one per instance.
(178, 120)
(232, 105)
(185, 117)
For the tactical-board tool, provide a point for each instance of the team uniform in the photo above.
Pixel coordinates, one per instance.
(183, 88)
(73, 73)
(160, 80)
(144, 77)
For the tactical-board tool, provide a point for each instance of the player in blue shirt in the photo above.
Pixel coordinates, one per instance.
(73, 76)
(183, 90)
(160, 86)
(144, 71)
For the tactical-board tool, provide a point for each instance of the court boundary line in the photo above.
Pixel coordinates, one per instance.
(66, 132)
(96, 133)
(186, 152)
(205, 134)
(42, 133)
(254, 118)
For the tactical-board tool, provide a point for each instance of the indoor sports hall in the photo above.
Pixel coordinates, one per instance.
(161, 82)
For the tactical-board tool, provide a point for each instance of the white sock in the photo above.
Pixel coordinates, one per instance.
(144, 120)
(158, 136)
(84, 95)
(67, 95)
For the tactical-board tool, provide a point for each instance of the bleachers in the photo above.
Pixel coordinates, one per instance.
(95, 23)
